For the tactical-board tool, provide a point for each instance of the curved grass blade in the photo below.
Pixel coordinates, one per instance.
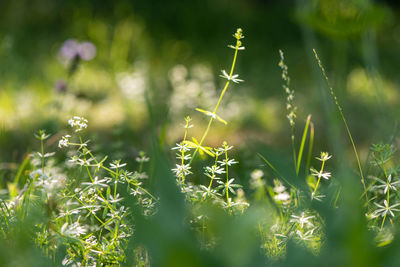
(303, 141)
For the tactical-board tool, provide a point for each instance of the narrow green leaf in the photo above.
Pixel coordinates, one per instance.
(303, 141)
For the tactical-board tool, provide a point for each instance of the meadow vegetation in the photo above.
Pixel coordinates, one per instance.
(192, 192)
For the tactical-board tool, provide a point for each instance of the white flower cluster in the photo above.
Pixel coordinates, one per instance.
(64, 141)
(78, 123)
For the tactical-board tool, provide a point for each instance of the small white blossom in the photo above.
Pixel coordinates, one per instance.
(78, 123)
(284, 197)
(116, 164)
(182, 169)
(181, 147)
(320, 174)
(324, 156)
(384, 209)
(302, 220)
(64, 141)
(228, 162)
(233, 78)
(386, 184)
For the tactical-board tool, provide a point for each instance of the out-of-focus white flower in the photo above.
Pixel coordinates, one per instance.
(302, 220)
(233, 78)
(78, 123)
(64, 141)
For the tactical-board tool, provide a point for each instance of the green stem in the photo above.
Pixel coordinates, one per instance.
(219, 100)
(319, 178)
(344, 122)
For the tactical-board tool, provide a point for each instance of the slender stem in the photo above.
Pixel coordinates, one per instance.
(213, 174)
(42, 151)
(345, 123)
(388, 189)
(319, 176)
(227, 176)
(238, 43)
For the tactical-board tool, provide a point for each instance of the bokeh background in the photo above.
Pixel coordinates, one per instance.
(156, 61)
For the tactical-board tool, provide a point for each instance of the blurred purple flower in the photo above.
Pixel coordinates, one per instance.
(72, 50)
(86, 50)
(60, 86)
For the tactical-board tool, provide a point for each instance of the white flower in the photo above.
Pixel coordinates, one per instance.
(233, 78)
(73, 229)
(317, 197)
(307, 236)
(78, 122)
(64, 141)
(182, 170)
(302, 219)
(279, 188)
(181, 147)
(386, 185)
(383, 210)
(238, 48)
(228, 162)
(320, 174)
(324, 156)
(97, 182)
(257, 174)
(116, 164)
(282, 197)
(142, 157)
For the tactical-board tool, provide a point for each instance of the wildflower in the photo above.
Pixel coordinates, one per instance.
(324, 156)
(181, 147)
(73, 229)
(64, 141)
(116, 164)
(142, 157)
(187, 125)
(257, 174)
(182, 170)
(282, 197)
(224, 147)
(320, 174)
(386, 185)
(278, 188)
(215, 169)
(302, 220)
(236, 47)
(228, 162)
(97, 182)
(316, 196)
(239, 34)
(383, 210)
(233, 78)
(83, 162)
(78, 122)
(72, 49)
(307, 236)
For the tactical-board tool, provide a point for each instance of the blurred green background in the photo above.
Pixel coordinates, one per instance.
(157, 61)
(174, 51)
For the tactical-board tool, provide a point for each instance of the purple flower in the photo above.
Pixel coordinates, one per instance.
(72, 50)
(86, 51)
(69, 49)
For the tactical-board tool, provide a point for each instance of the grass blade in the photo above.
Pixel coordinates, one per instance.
(344, 121)
(303, 141)
(310, 148)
